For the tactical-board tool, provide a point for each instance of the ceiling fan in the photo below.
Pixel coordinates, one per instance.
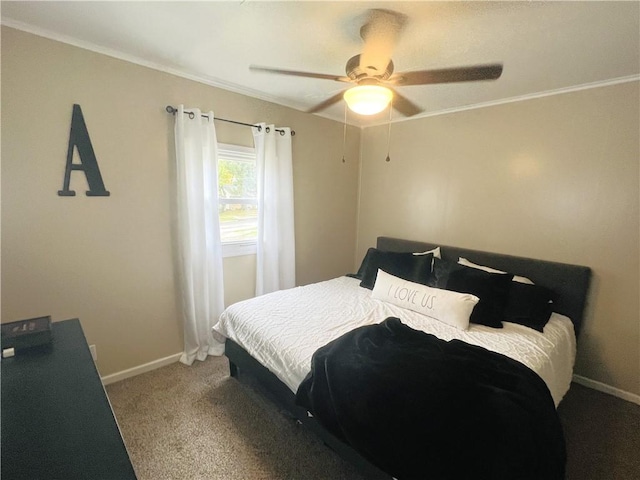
(372, 70)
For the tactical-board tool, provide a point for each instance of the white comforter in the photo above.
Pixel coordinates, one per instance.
(283, 329)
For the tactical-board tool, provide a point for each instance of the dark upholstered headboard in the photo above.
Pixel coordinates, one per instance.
(569, 282)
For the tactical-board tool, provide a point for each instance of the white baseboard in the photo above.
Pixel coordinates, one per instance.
(603, 387)
(147, 367)
(162, 362)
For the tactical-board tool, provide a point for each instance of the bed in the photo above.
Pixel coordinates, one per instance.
(283, 339)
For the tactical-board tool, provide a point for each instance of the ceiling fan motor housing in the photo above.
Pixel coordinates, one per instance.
(358, 72)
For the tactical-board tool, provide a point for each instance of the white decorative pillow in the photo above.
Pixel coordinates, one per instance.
(516, 278)
(435, 251)
(446, 306)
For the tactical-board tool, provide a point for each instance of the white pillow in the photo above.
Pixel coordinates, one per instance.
(446, 306)
(435, 251)
(516, 278)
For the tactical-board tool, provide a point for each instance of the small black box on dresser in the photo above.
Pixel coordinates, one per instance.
(24, 334)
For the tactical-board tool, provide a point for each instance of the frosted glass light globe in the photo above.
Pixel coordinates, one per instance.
(368, 99)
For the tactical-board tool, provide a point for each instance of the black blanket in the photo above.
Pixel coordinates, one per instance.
(422, 408)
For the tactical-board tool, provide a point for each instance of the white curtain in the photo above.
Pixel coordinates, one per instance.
(199, 246)
(275, 253)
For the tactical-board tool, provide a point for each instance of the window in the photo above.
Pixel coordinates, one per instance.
(237, 197)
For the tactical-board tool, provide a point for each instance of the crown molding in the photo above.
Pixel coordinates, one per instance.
(519, 98)
(210, 81)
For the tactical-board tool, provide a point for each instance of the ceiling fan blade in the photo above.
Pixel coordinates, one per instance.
(380, 34)
(447, 75)
(404, 105)
(295, 73)
(327, 103)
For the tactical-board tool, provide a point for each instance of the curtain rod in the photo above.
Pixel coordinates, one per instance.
(173, 111)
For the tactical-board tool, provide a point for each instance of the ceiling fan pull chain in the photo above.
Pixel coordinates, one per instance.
(388, 159)
(344, 132)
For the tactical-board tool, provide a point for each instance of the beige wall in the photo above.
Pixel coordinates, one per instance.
(555, 178)
(108, 260)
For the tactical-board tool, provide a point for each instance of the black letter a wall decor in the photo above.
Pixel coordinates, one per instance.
(79, 138)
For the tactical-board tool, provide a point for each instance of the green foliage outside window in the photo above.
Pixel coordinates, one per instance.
(237, 194)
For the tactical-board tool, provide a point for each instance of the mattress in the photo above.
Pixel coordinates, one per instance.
(283, 329)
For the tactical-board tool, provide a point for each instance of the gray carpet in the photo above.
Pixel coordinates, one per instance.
(602, 434)
(196, 423)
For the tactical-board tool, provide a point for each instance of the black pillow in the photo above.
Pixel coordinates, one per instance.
(414, 268)
(363, 265)
(441, 271)
(529, 305)
(491, 288)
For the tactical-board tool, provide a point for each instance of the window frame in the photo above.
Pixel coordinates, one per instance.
(239, 153)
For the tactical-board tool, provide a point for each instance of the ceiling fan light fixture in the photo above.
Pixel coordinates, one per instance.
(368, 99)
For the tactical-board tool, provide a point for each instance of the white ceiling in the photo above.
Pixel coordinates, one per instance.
(545, 47)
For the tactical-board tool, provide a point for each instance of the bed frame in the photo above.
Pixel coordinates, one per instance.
(569, 282)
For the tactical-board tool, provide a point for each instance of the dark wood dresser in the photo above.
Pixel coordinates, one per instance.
(57, 422)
